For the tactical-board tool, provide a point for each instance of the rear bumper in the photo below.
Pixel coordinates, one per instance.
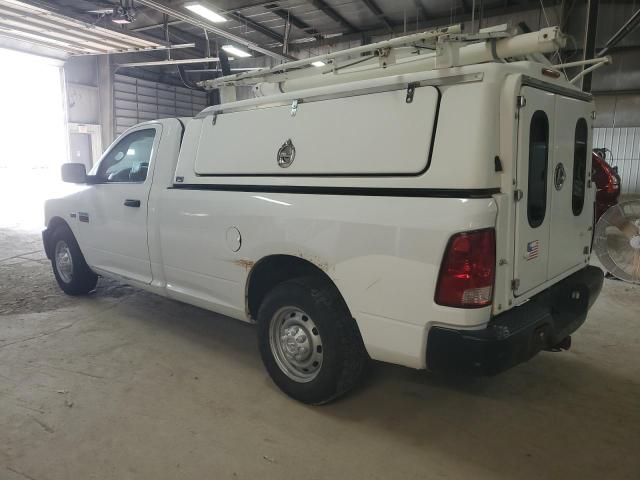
(517, 335)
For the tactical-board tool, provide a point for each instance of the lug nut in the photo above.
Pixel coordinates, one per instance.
(302, 338)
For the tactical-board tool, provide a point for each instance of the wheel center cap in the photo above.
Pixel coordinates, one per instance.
(291, 345)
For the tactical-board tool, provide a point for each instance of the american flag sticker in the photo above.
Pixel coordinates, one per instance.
(533, 248)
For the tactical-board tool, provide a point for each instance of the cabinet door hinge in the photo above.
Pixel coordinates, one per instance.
(515, 284)
(521, 102)
(411, 90)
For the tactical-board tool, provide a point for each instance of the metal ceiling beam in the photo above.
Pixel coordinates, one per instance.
(295, 21)
(162, 48)
(377, 11)
(591, 28)
(256, 26)
(176, 33)
(433, 22)
(40, 43)
(330, 12)
(210, 27)
(421, 9)
(52, 26)
(80, 16)
(169, 62)
(93, 47)
(237, 16)
(154, 26)
(628, 27)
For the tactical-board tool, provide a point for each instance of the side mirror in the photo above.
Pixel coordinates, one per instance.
(74, 173)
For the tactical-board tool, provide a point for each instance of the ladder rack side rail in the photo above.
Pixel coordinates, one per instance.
(394, 42)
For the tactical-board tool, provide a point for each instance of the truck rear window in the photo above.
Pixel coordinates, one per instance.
(579, 166)
(538, 164)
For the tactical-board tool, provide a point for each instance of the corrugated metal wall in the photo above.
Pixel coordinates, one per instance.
(137, 100)
(624, 143)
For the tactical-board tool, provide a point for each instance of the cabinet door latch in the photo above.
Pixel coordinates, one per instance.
(517, 195)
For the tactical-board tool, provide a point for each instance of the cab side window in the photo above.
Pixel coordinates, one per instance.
(128, 161)
(538, 164)
(580, 152)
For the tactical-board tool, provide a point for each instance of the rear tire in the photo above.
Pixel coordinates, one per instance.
(309, 343)
(69, 266)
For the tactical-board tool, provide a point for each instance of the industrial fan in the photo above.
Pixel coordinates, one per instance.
(617, 241)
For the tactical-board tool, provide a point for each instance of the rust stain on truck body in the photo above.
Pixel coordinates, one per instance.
(244, 263)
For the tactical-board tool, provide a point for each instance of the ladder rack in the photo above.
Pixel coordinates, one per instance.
(427, 37)
(445, 47)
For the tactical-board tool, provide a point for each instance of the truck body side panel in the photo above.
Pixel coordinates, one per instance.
(383, 253)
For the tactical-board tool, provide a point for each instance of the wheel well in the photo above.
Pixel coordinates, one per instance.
(54, 224)
(275, 269)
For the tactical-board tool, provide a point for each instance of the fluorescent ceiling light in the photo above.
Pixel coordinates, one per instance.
(235, 51)
(318, 64)
(205, 12)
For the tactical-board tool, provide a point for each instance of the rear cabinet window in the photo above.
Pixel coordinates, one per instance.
(538, 164)
(579, 166)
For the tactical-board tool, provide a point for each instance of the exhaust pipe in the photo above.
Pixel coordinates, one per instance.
(564, 344)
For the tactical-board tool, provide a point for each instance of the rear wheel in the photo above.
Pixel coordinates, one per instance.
(69, 266)
(309, 343)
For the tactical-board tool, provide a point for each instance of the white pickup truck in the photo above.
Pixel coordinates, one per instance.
(439, 219)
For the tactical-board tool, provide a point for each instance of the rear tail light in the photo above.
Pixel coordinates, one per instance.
(468, 270)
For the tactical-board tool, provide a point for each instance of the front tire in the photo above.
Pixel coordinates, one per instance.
(69, 266)
(309, 343)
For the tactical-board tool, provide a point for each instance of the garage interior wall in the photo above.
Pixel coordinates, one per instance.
(137, 100)
(96, 97)
(617, 127)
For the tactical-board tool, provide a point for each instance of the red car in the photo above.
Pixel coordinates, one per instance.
(607, 182)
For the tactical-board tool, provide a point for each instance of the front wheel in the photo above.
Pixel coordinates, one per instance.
(309, 342)
(69, 266)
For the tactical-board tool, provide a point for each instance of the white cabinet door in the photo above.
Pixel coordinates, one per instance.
(571, 195)
(536, 129)
(373, 134)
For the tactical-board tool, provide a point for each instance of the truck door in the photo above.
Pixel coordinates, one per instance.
(536, 129)
(114, 227)
(554, 209)
(571, 195)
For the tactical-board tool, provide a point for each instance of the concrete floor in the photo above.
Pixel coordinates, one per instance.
(123, 384)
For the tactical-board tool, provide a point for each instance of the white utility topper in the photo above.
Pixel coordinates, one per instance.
(424, 201)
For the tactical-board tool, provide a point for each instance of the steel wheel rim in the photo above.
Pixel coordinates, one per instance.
(296, 344)
(64, 261)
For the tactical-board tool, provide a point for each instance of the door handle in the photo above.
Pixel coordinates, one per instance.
(131, 203)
